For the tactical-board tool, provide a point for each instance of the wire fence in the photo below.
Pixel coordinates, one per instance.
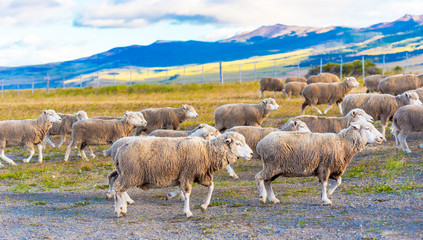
(219, 72)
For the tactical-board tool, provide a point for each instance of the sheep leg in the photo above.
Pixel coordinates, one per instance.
(128, 199)
(340, 108)
(121, 207)
(315, 108)
(62, 140)
(275, 95)
(81, 150)
(68, 150)
(332, 189)
(403, 141)
(6, 159)
(206, 201)
(395, 133)
(261, 188)
(40, 153)
(271, 195)
(49, 141)
(92, 155)
(173, 194)
(187, 210)
(325, 198)
(181, 196)
(112, 178)
(1, 165)
(231, 172)
(31, 153)
(327, 109)
(383, 130)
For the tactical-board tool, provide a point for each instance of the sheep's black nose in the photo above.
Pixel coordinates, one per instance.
(251, 154)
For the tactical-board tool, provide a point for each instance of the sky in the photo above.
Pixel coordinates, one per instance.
(44, 31)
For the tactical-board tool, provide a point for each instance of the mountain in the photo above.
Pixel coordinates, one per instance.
(403, 34)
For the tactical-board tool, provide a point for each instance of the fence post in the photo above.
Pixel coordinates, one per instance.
(362, 60)
(114, 78)
(340, 70)
(80, 80)
(130, 76)
(167, 70)
(255, 72)
(47, 78)
(18, 88)
(64, 81)
(406, 62)
(2, 81)
(98, 80)
(298, 68)
(274, 69)
(321, 65)
(383, 68)
(183, 77)
(240, 78)
(202, 74)
(32, 86)
(221, 73)
(148, 71)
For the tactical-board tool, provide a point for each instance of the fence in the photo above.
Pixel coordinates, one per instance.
(282, 65)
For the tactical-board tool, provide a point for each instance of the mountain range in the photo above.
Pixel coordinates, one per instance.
(403, 34)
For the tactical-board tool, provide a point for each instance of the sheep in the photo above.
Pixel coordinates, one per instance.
(253, 135)
(26, 133)
(407, 119)
(398, 84)
(323, 124)
(294, 88)
(295, 79)
(327, 93)
(419, 92)
(231, 115)
(96, 131)
(372, 82)
(323, 78)
(179, 162)
(380, 106)
(165, 118)
(176, 133)
(64, 127)
(206, 132)
(299, 154)
(270, 84)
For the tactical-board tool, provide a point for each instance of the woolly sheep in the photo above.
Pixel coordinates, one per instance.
(206, 132)
(166, 118)
(175, 133)
(323, 78)
(179, 162)
(96, 131)
(380, 106)
(64, 127)
(231, 115)
(327, 93)
(295, 79)
(26, 133)
(299, 154)
(398, 84)
(253, 135)
(372, 82)
(419, 92)
(407, 119)
(270, 84)
(294, 88)
(324, 124)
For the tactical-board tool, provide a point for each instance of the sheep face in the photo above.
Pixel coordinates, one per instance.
(296, 125)
(237, 145)
(370, 133)
(359, 114)
(413, 98)
(52, 116)
(302, 127)
(351, 82)
(135, 118)
(206, 132)
(81, 115)
(270, 104)
(191, 113)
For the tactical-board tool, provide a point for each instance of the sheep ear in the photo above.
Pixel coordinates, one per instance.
(353, 113)
(356, 126)
(296, 123)
(184, 106)
(45, 111)
(201, 126)
(407, 95)
(205, 135)
(228, 140)
(126, 114)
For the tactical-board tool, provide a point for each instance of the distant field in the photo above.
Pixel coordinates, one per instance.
(380, 197)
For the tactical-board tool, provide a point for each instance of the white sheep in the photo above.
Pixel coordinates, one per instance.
(28, 133)
(299, 154)
(407, 119)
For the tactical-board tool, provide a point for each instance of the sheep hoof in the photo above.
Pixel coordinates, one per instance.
(234, 176)
(93, 156)
(130, 202)
(109, 195)
(327, 202)
(123, 214)
(203, 208)
(189, 214)
(275, 201)
(407, 151)
(25, 161)
(262, 199)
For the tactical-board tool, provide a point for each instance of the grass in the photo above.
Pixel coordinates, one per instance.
(383, 170)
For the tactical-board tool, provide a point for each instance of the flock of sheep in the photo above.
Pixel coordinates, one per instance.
(304, 146)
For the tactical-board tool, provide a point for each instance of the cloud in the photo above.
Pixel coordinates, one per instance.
(241, 13)
(34, 12)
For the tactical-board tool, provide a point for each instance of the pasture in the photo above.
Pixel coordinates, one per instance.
(381, 195)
